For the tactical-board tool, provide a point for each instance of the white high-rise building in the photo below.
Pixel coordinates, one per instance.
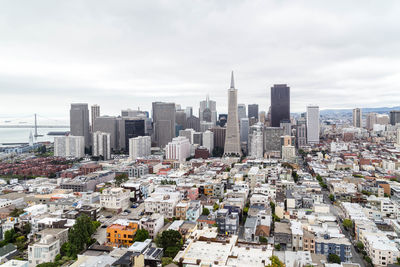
(69, 146)
(256, 145)
(312, 124)
(208, 140)
(139, 147)
(178, 149)
(357, 118)
(232, 137)
(102, 145)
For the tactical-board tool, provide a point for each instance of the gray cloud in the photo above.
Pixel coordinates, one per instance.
(123, 54)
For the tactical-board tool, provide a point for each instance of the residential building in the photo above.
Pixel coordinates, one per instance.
(178, 149)
(121, 234)
(102, 145)
(139, 147)
(115, 198)
(69, 146)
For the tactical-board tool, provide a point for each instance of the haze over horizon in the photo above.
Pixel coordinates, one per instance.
(336, 55)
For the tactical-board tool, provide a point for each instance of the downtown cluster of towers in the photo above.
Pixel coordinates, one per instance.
(231, 131)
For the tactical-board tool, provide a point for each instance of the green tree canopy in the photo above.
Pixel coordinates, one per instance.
(121, 178)
(333, 258)
(275, 262)
(170, 241)
(141, 235)
(206, 212)
(347, 223)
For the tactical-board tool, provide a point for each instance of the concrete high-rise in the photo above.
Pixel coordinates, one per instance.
(108, 124)
(69, 146)
(394, 117)
(193, 123)
(139, 147)
(79, 121)
(101, 145)
(95, 112)
(280, 104)
(178, 149)
(208, 140)
(219, 136)
(208, 111)
(371, 120)
(256, 138)
(357, 117)
(312, 124)
(163, 123)
(232, 139)
(189, 112)
(252, 111)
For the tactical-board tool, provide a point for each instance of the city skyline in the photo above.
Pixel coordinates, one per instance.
(107, 59)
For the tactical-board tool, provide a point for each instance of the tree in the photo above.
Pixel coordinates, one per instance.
(217, 152)
(295, 177)
(9, 236)
(360, 245)
(272, 204)
(141, 235)
(80, 234)
(278, 247)
(121, 178)
(263, 240)
(275, 262)
(332, 197)
(170, 241)
(205, 212)
(96, 224)
(333, 258)
(165, 261)
(215, 207)
(347, 223)
(16, 212)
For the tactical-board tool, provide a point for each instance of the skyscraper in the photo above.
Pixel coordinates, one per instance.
(208, 111)
(241, 111)
(394, 117)
(102, 145)
(280, 104)
(95, 112)
(252, 111)
(79, 121)
(129, 128)
(357, 118)
(244, 129)
(108, 124)
(232, 139)
(163, 123)
(312, 124)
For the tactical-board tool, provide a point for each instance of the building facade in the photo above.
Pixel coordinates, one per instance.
(280, 104)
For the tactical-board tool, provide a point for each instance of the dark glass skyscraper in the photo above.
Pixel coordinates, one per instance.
(280, 104)
(252, 111)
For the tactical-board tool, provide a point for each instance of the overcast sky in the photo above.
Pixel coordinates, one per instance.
(127, 54)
